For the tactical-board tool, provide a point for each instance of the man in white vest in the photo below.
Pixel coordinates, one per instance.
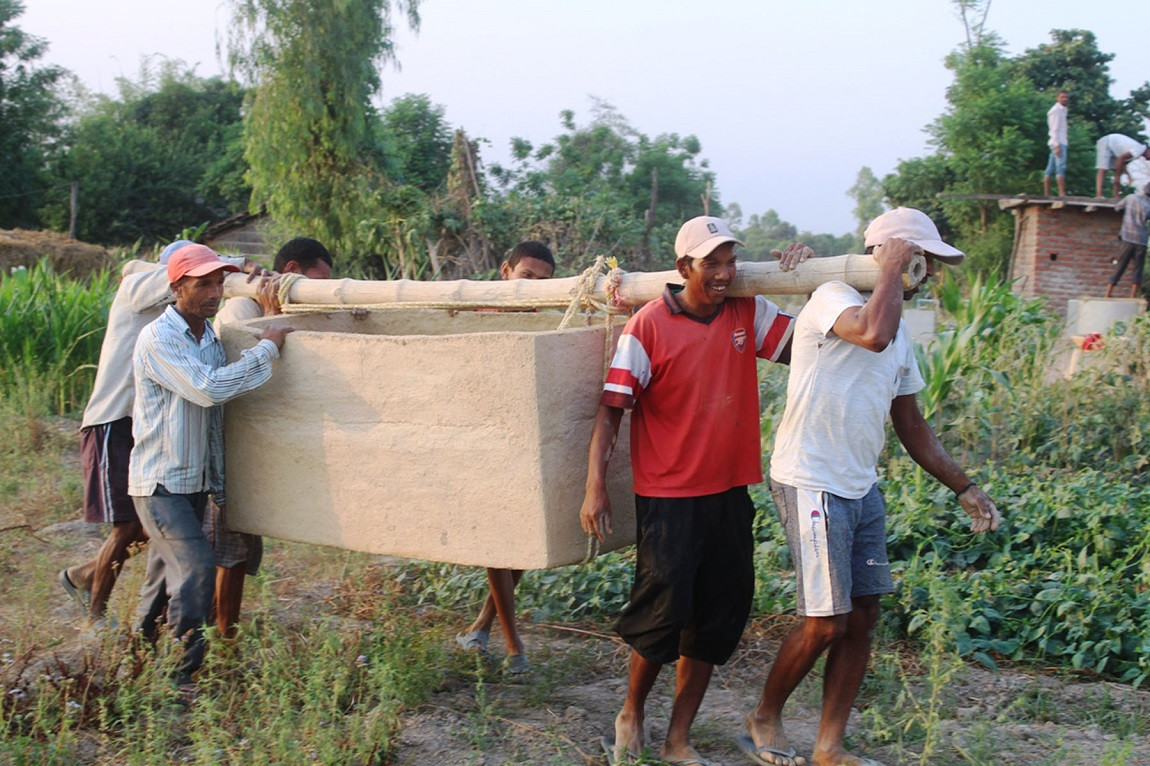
(852, 364)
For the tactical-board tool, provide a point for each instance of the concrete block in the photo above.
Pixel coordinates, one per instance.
(425, 434)
(1087, 315)
(922, 323)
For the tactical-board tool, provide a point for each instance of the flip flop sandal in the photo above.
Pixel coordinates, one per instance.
(475, 641)
(755, 753)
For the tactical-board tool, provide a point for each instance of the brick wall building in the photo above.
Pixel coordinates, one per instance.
(1064, 248)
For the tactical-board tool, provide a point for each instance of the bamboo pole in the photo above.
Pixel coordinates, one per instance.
(634, 289)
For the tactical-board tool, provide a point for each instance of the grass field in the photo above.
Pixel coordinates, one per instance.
(1029, 646)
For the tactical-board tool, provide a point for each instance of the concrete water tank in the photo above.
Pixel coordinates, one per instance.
(459, 437)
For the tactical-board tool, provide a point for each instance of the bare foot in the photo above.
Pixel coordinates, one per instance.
(629, 735)
(771, 741)
(684, 754)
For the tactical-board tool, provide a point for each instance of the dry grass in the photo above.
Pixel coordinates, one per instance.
(19, 247)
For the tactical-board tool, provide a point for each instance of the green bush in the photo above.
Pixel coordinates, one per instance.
(1066, 581)
(51, 328)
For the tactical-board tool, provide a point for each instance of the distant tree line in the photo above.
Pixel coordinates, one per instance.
(397, 191)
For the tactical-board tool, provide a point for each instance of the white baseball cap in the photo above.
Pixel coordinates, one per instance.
(699, 236)
(166, 253)
(914, 226)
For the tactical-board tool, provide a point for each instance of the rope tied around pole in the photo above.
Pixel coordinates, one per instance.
(612, 306)
(284, 294)
(585, 290)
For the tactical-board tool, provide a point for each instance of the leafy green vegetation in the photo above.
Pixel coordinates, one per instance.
(51, 329)
(992, 137)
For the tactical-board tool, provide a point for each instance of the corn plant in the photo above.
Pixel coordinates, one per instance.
(51, 328)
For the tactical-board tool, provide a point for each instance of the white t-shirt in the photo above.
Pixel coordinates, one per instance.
(1056, 125)
(1114, 145)
(237, 310)
(838, 399)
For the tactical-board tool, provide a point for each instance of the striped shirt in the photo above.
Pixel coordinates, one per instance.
(139, 301)
(178, 418)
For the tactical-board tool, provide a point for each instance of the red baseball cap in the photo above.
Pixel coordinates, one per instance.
(195, 261)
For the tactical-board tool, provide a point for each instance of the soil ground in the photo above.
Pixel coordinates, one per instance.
(558, 714)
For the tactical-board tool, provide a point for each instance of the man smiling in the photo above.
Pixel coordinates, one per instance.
(686, 366)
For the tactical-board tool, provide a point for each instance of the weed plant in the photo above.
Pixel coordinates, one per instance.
(51, 328)
(324, 691)
(594, 590)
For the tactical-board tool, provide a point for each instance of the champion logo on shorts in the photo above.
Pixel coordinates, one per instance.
(816, 518)
(739, 338)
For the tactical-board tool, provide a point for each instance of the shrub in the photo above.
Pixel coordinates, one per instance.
(51, 328)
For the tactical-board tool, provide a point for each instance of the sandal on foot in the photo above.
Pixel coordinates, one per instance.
(756, 753)
(79, 595)
(516, 664)
(616, 755)
(475, 641)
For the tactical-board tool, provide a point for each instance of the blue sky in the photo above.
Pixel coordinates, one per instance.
(788, 100)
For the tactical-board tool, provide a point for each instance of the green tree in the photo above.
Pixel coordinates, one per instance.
(162, 155)
(916, 183)
(767, 232)
(867, 193)
(992, 137)
(30, 114)
(418, 141)
(311, 133)
(604, 187)
(1072, 61)
(764, 233)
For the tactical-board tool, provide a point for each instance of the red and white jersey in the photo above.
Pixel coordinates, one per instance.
(694, 390)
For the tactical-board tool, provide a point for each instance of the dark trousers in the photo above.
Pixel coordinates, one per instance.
(181, 572)
(1130, 252)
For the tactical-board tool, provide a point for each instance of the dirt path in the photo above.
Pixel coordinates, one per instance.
(559, 716)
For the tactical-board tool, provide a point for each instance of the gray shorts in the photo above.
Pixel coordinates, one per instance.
(232, 548)
(838, 547)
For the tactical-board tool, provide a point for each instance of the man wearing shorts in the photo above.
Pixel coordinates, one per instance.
(852, 363)
(239, 554)
(106, 435)
(686, 367)
(1113, 152)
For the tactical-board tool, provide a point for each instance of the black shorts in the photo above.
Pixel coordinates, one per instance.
(694, 577)
(104, 453)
